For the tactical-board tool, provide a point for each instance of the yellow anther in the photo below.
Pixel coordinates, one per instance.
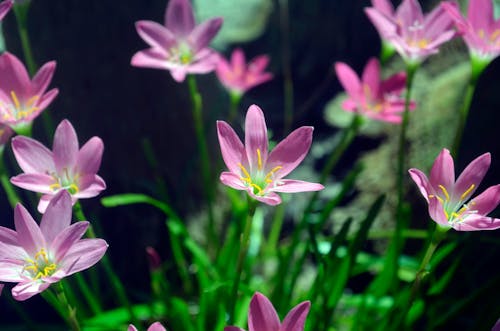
(495, 35)
(245, 172)
(259, 159)
(422, 43)
(260, 190)
(462, 197)
(270, 173)
(15, 99)
(437, 197)
(446, 214)
(445, 192)
(43, 254)
(32, 100)
(73, 188)
(55, 186)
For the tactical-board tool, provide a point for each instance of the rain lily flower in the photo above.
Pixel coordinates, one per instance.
(413, 35)
(251, 168)
(480, 30)
(5, 7)
(449, 200)
(66, 167)
(238, 77)
(37, 256)
(154, 327)
(263, 316)
(179, 46)
(371, 96)
(22, 99)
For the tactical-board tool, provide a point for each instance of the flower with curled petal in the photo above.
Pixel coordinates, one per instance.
(449, 200)
(154, 327)
(66, 167)
(263, 316)
(180, 45)
(252, 169)
(37, 256)
(5, 7)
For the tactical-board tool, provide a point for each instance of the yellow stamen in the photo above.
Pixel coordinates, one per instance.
(270, 173)
(445, 192)
(437, 197)
(257, 187)
(462, 197)
(14, 98)
(480, 33)
(73, 189)
(259, 160)
(446, 214)
(55, 186)
(245, 172)
(32, 100)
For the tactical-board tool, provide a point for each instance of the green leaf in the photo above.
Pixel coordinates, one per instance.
(135, 198)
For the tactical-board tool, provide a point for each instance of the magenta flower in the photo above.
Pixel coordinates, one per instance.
(5, 7)
(238, 77)
(154, 327)
(413, 35)
(37, 256)
(251, 168)
(371, 96)
(448, 200)
(263, 316)
(180, 46)
(480, 30)
(22, 99)
(66, 167)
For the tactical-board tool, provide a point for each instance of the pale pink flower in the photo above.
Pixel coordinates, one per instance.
(66, 167)
(371, 96)
(37, 256)
(252, 169)
(5, 7)
(238, 77)
(22, 99)
(154, 327)
(180, 45)
(449, 200)
(480, 30)
(413, 35)
(262, 316)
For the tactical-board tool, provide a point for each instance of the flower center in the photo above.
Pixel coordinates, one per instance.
(455, 211)
(371, 102)
(40, 266)
(181, 54)
(14, 110)
(66, 181)
(258, 181)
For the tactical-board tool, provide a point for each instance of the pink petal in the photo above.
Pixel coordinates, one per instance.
(203, 33)
(233, 328)
(232, 180)
(65, 146)
(293, 186)
(487, 201)
(290, 151)
(32, 156)
(4, 9)
(255, 137)
(410, 12)
(238, 61)
(261, 314)
(57, 216)
(83, 255)
(90, 186)
(437, 22)
(67, 238)
(8, 236)
(29, 234)
(179, 17)
(270, 198)
(14, 75)
(89, 156)
(478, 223)
(436, 212)
(42, 78)
(178, 74)
(422, 182)
(383, 6)
(11, 270)
(156, 327)
(296, 318)
(394, 84)
(205, 61)
(473, 174)
(151, 58)
(44, 202)
(349, 80)
(26, 290)
(12, 251)
(232, 149)
(480, 14)
(443, 170)
(371, 77)
(44, 102)
(259, 63)
(34, 182)
(156, 35)
(384, 24)
(132, 328)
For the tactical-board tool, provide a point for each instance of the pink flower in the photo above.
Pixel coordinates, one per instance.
(373, 97)
(263, 316)
(481, 32)
(22, 99)
(37, 256)
(238, 77)
(413, 35)
(448, 200)
(251, 168)
(154, 327)
(66, 167)
(180, 46)
(5, 7)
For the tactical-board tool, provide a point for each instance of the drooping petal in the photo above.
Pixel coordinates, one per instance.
(261, 315)
(232, 149)
(179, 17)
(14, 75)
(34, 182)
(83, 254)
(232, 180)
(290, 151)
(471, 177)
(443, 170)
(90, 156)
(296, 318)
(26, 290)
(487, 201)
(293, 186)
(57, 216)
(65, 146)
(43, 78)
(156, 35)
(256, 143)
(29, 234)
(67, 238)
(32, 156)
(203, 34)
(349, 80)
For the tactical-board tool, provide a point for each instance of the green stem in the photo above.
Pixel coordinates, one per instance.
(94, 304)
(286, 66)
(244, 244)
(205, 160)
(7, 186)
(234, 102)
(276, 225)
(70, 312)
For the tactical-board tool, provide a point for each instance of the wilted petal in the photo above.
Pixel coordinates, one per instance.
(293, 186)
(32, 156)
(473, 174)
(295, 319)
(29, 234)
(203, 33)
(443, 170)
(156, 35)
(84, 254)
(26, 290)
(90, 156)
(232, 149)
(256, 143)
(261, 315)
(179, 17)
(65, 146)
(57, 216)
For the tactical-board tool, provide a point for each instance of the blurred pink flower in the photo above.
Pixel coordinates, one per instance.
(66, 167)
(238, 77)
(448, 198)
(373, 97)
(262, 316)
(37, 256)
(154, 327)
(413, 35)
(180, 45)
(480, 30)
(5, 7)
(22, 99)
(251, 168)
